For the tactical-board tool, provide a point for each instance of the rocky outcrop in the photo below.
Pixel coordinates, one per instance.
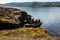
(12, 17)
(9, 15)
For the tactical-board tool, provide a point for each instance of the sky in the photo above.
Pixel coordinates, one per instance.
(8, 1)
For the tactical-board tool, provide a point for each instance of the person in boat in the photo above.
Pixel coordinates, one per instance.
(38, 23)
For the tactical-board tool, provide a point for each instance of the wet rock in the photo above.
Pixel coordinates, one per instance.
(9, 16)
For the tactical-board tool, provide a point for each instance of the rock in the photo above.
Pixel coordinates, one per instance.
(9, 15)
(12, 17)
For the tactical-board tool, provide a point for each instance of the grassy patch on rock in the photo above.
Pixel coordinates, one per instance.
(24, 32)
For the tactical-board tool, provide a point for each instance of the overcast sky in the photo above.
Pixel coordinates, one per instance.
(8, 1)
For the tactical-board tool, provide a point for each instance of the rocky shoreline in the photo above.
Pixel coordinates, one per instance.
(11, 29)
(13, 16)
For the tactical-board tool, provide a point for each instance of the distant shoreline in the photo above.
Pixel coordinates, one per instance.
(32, 4)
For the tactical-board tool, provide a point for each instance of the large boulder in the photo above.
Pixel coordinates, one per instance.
(9, 15)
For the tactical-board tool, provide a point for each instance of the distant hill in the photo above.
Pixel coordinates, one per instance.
(33, 4)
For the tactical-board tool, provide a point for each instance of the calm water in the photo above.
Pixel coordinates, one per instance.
(50, 17)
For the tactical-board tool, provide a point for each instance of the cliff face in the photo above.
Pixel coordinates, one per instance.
(9, 15)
